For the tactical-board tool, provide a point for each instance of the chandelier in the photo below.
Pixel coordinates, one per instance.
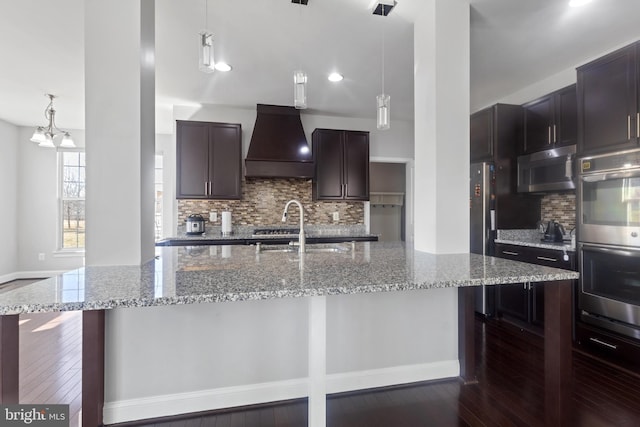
(44, 135)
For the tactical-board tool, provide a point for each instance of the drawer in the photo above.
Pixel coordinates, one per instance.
(539, 256)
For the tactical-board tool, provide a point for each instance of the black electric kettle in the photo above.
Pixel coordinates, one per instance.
(554, 232)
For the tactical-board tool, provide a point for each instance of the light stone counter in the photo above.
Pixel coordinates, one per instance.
(532, 238)
(180, 275)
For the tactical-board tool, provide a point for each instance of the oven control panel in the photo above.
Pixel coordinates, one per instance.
(608, 162)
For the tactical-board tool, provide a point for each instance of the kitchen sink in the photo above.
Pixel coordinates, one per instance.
(293, 247)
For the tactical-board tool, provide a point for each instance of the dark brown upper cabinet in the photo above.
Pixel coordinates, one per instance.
(209, 160)
(341, 164)
(481, 131)
(495, 133)
(608, 110)
(551, 121)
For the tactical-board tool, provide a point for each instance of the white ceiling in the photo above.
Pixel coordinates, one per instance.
(514, 43)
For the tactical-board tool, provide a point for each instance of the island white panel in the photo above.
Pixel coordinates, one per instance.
(176, 359)
(384, 330)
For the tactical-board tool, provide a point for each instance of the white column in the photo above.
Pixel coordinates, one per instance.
(317, 361)
(441, 92)
(120, 131)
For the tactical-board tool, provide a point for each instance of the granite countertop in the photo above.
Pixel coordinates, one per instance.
(532, 238)
(180, 275)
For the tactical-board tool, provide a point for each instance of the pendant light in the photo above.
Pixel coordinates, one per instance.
(299, 77)
(44, 135)
(383, 107)
(206, 61)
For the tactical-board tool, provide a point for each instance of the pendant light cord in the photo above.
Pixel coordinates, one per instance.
(206, 15)
(383, 39)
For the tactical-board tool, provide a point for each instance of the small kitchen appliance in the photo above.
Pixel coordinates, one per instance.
(554, 232)
(195, 224)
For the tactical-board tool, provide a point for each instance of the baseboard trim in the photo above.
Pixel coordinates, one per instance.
(209, 400)
(362, 380)
(204, 400)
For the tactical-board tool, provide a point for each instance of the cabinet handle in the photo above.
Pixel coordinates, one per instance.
(549, 135)
(606, 344)
(628, 127)
(555, 139)
(638, 125)
(206, 188)
(544, 258)
(510, 253)
(346, 189)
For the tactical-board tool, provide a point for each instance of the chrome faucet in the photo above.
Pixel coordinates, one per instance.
(301, 238)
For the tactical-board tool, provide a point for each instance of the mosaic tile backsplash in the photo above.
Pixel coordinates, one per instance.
(263, 201)
(560, 207)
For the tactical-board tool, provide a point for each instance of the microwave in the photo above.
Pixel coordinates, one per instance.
(549, 170)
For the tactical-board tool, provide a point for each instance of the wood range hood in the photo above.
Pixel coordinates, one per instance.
(278, 147)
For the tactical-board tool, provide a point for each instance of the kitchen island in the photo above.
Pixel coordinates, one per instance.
(323, 285)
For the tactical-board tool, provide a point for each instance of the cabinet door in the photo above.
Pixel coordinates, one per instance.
(512, 300)
(192, 160)
(607, 99)
(481, 136)
(566, 114)
(329, 158)
(537, 303)
(225, 161)
(356, 165)
(538, 124)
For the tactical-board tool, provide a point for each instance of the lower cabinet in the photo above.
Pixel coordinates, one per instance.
(524, 302)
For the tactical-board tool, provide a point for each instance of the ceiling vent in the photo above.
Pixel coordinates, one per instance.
(383, 7)
(302, 2)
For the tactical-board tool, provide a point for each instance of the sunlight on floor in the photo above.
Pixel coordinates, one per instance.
(50, 324)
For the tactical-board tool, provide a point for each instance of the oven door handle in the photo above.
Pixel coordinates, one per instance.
(622, 252)
(610, 175)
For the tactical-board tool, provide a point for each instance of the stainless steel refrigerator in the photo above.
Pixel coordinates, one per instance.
(482, 226)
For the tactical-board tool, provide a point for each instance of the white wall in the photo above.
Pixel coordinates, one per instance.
(9, 197)
(37, 189)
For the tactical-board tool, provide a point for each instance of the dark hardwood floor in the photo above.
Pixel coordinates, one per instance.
(509, 393)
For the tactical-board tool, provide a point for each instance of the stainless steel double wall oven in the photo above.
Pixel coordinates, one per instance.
(609, 241)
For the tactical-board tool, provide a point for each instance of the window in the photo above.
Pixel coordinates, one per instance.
(72, 194)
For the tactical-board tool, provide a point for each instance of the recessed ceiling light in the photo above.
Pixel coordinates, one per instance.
(335, 77)
(223, 66)
(578, 3)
